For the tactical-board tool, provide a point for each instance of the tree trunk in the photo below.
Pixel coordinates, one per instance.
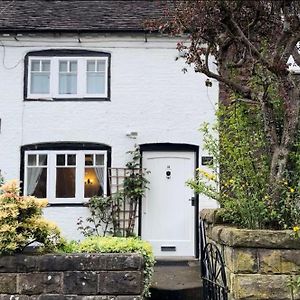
(281, 152)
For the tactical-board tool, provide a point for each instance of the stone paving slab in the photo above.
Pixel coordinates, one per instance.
(177, 282)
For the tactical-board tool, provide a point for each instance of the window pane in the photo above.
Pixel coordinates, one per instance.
(101, 65)
(40, 83)
(46, 65)
(91, 65)
(43, 160)
(65, 182)
(60, 159)
(37, 182)
(71, 160)
(99, 159)
(31, 160)
(73, 66)
(89, 159)
(63, 66)
(35, 65)
(92, 179)
(68, 83)
(95, 83)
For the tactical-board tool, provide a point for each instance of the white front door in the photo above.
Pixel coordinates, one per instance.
(167, 214)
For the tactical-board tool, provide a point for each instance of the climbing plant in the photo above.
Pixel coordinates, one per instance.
(105, 211)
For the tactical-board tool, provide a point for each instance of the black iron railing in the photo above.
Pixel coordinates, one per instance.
(212, 269)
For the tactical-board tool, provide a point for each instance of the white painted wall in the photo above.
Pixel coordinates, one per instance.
(149, 94)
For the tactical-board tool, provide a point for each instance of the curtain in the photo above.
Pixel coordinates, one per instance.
(100, 176)
(67, 83)
(95, 83)
(40, 83)
(34, 174)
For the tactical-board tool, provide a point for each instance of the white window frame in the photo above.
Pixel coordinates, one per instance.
(79, 174)
(26, 169)
(40, 96)
(54, 78)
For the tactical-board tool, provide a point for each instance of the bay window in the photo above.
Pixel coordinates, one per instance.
(65, 176)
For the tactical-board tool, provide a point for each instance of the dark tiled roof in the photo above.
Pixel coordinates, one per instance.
(75, 15)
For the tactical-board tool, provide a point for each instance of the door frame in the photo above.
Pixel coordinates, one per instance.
(174, 147)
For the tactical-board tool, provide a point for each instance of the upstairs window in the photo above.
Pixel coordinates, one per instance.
(40, 76)
(67, 80)
(95, 78)
(69, 76)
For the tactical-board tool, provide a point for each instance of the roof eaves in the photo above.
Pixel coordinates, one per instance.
(21, 30)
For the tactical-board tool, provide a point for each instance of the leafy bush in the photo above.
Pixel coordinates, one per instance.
(116, 245)
(105, 211)
(242, 186)
(21, 221)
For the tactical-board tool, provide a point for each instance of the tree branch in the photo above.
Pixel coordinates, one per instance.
(269, 121)
(253, 49)
(243, 90)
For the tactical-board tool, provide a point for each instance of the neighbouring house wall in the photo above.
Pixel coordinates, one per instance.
(72, 276)
(149, 95)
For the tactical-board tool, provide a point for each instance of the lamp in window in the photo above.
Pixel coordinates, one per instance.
(88, 181)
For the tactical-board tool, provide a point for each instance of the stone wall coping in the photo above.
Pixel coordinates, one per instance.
(70, 262)
(92, 275)
(251, 238)
(211, 215)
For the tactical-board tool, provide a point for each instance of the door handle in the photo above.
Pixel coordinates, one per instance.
(193, 201)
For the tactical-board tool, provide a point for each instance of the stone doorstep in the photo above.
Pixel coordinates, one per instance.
(188, 294)
(177, 277)
(176, 261)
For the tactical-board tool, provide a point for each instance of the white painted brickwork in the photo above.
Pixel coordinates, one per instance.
(149, 94)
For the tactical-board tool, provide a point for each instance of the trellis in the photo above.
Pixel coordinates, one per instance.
(128, 212)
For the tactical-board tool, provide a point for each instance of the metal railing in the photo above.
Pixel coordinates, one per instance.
(212, 269)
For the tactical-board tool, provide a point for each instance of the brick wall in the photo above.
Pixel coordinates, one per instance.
(72, 277)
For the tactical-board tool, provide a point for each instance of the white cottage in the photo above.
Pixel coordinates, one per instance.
(81, 82)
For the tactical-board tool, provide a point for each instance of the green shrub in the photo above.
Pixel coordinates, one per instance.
(116, 245)
(21, 221)
(239, 176)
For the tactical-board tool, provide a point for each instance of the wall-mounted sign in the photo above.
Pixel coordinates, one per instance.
(207, 160)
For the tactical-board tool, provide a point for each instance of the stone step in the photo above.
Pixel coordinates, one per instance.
(176, 279)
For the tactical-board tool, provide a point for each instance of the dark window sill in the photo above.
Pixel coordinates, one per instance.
(68, 100)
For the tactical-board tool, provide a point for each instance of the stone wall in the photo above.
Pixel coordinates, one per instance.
(72, 277)
(260, 264)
